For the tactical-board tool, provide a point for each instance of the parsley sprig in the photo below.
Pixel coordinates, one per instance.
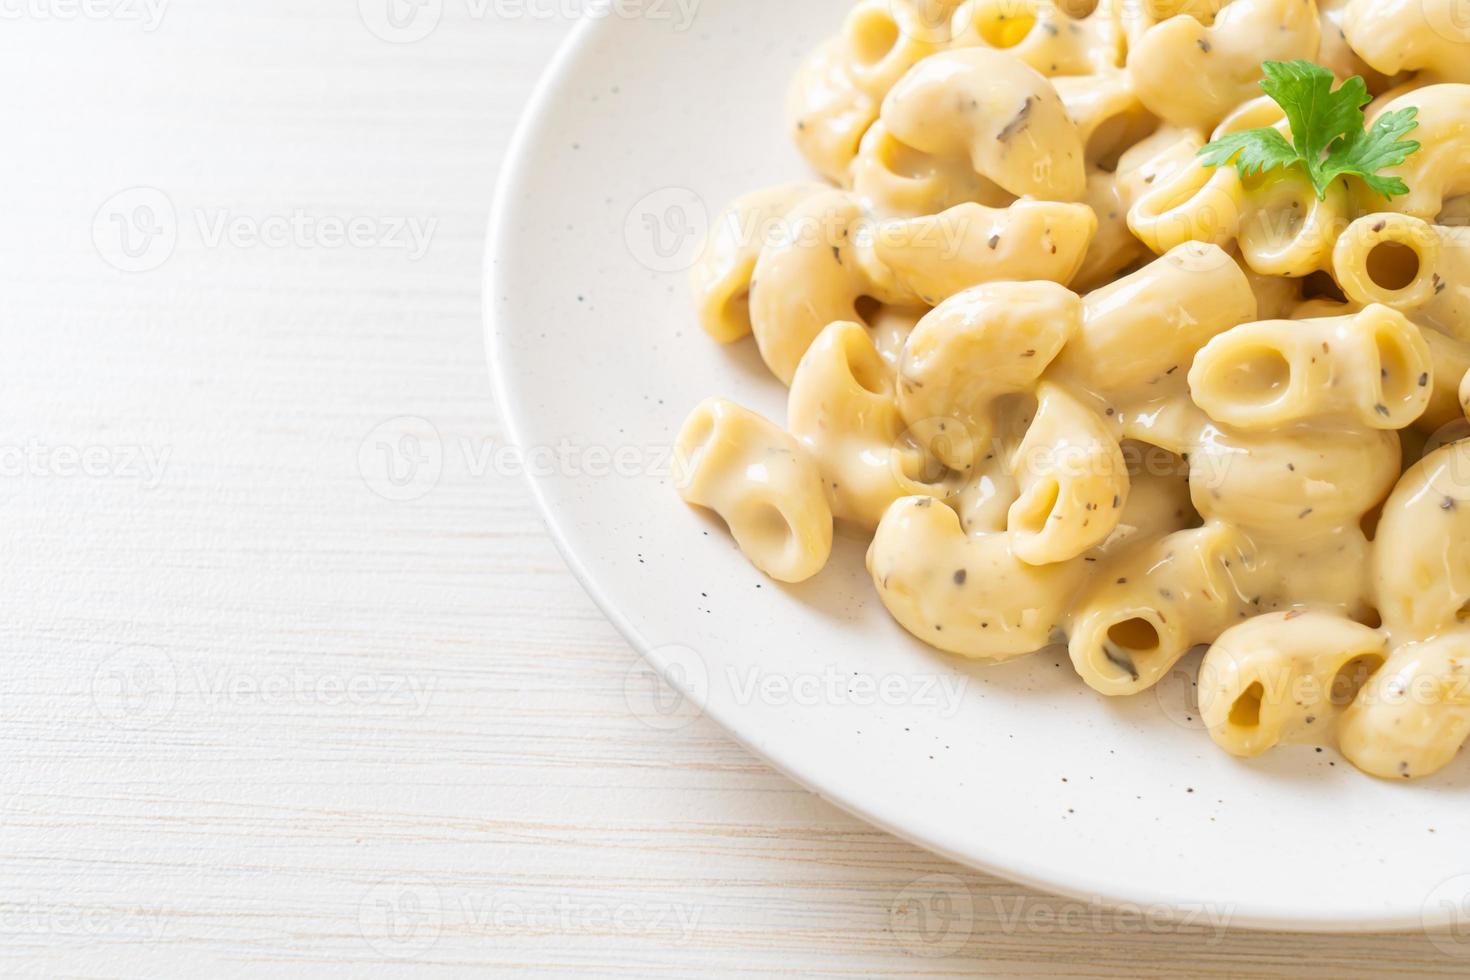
(1327, 135)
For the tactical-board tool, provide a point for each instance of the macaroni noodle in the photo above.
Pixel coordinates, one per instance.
(1086, 389)
(762, 483)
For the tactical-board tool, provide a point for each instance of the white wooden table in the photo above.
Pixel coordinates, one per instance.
(284, 692)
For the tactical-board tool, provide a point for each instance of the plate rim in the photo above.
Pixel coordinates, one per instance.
(1255, 916)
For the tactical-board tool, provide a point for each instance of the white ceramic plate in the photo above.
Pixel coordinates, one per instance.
(639, 132)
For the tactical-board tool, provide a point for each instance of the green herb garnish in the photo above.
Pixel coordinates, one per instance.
(1328, 138)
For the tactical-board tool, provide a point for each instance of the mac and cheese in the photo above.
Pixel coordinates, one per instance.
(1108, 350)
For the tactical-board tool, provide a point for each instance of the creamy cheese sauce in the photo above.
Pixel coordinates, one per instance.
(1084, 389)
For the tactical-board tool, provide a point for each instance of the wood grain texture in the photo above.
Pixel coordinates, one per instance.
(271, 701)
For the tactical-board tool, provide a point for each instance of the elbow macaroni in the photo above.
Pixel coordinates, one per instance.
(897, 181)
(836, 95)
(760, 481)
(1284, 677)
(1084, 390)
(1152, 605)
(828, 111)
(1190, 74)
(1338, 54)
(1292, 482)
(973, 352)
(1420, 567)
(721, 277)
(936, 257)
(968, 595)
(812, 277)
(1073, 481)
(990, 109)
(1113, 195)
(1285, 229)
(842, 411)
(1414, 714)
(1041, 35)
(1109, 117)
(1437, 173)
(1406, 263)
(1451, 366)
(1409, 35)
(1372, 368)
(1139, 334)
